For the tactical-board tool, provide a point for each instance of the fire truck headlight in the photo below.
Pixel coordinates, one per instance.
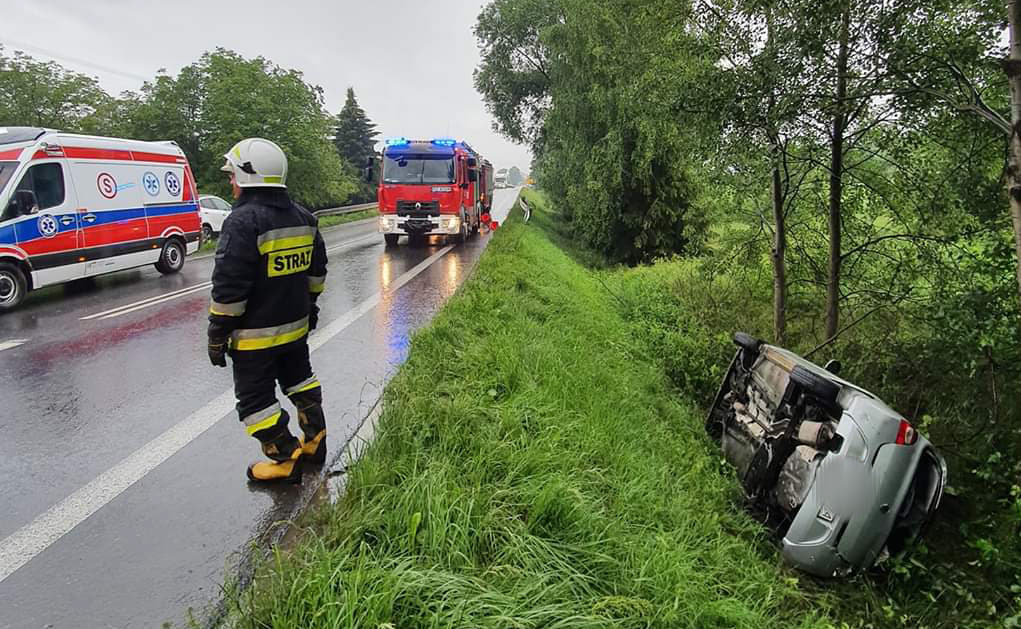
(385, 223)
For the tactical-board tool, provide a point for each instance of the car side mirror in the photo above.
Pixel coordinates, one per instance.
(473, 176)
(24, 202)
(368, 174)
(370, 162)
(833, 366)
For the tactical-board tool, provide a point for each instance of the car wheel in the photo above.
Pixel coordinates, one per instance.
(13, 286)
(818, 386)
(391, 239)
(171, 258)
(207, 232)
(749, 348)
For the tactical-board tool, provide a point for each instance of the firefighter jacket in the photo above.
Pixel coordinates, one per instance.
(270, 268)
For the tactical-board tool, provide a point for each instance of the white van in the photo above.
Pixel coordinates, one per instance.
(76, 206)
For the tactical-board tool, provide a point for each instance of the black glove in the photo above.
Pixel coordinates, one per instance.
(313, 316)
(218, 352)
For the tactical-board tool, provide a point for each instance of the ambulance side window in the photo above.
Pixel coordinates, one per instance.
(47, 182)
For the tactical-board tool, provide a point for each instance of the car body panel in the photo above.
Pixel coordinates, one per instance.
(839, 499)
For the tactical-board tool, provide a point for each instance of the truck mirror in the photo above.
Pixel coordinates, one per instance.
(472, 162)
(368, 174)
(473, 176)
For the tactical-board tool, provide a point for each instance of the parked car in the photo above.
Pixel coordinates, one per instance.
(213, 211)
(842, 476)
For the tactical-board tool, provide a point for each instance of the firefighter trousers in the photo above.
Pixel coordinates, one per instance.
(256, 374)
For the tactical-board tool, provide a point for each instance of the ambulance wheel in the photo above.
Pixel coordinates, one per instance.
(12, 286)
(171, 258)
(391, 239)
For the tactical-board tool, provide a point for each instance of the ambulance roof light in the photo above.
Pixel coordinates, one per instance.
(444, 142)
(397, 141)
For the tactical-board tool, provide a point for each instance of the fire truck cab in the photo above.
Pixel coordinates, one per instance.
(429, 187)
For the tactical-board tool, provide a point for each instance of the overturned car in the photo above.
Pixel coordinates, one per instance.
(842, 476)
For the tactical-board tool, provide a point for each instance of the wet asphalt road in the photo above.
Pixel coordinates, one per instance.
(93, 375)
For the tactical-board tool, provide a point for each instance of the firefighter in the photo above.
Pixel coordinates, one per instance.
(270, 269)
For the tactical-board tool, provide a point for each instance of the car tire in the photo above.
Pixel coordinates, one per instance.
(747, 342)
(171, 257)
(817, 386)
(391, 239)
(207, 232)
(13, 286)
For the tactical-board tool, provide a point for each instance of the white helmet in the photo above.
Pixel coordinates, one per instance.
(256, 162)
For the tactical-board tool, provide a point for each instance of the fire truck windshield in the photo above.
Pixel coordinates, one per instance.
(418, 169)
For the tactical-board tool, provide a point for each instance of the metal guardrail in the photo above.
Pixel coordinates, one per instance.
(345, 209)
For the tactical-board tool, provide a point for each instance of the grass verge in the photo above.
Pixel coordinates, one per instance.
(531, 468)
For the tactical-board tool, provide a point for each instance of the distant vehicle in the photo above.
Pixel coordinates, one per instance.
(845, 478)
(500, 179)
(76, 206)
(428, 187)
(213, 210)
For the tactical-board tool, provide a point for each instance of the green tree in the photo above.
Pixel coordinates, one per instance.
(354, 135)
(45, 94)
(223, 98)
(514, 176)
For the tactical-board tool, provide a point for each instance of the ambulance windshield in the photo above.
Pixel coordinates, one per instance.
(6, 172)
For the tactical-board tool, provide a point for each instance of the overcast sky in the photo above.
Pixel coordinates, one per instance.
(410, 62)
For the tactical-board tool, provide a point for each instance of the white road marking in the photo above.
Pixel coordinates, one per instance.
(151, 300)
(351, 242)
(11, 344)
(123, 311)
(159, 299)
(24, 544)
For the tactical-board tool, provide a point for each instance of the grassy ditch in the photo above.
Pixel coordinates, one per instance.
(532, 468)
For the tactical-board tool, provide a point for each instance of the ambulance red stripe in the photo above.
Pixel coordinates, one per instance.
(81, 152)
(11, 154)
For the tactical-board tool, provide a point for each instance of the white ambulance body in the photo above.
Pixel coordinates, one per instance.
(75, 206)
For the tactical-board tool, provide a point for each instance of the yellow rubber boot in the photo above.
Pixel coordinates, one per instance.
(273, 471)
(314, 450)
(309, 402)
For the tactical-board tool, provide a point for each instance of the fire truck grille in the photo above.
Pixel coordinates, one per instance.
(418, 208)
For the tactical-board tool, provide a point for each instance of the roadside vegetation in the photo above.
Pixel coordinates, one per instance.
(205, 108)
(333, 221)
(532, 468)
(828, 176)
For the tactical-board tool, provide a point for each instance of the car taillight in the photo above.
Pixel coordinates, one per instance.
(906, 434)
(485, 217)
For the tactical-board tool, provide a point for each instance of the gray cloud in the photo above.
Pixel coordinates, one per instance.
(410, 62)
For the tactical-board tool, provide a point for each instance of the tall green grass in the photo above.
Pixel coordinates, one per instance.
(532, 469)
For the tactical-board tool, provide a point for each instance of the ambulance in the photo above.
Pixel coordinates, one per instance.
(76, 206)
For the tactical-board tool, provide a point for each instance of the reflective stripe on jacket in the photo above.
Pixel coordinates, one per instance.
(270, 268)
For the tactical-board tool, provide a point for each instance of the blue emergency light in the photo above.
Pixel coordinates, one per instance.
(444, 142)
(397, 141)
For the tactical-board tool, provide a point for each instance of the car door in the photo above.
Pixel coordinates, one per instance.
(50, 232)
(222, 212)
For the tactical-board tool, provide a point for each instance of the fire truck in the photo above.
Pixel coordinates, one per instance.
(432, 187)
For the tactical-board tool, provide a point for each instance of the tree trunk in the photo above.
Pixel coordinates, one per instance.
(1013, 67)
(837, 178)
(779, 254)
(779, 257)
